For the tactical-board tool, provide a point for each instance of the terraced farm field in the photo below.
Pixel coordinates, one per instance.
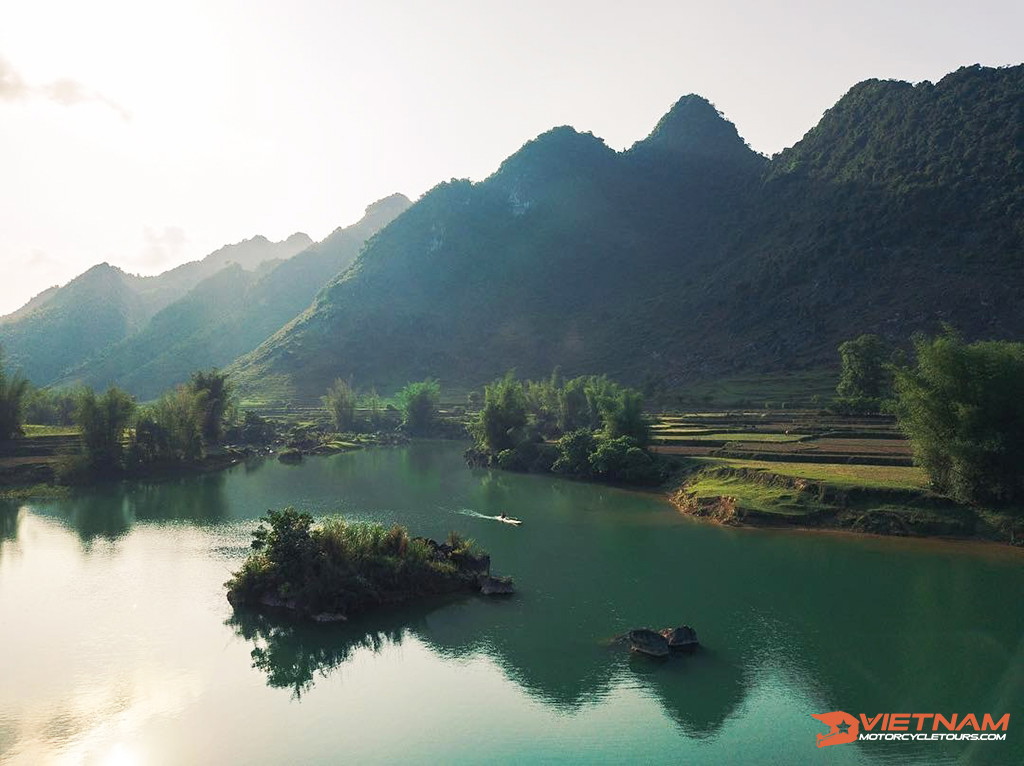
(794, 436)
(843, 475)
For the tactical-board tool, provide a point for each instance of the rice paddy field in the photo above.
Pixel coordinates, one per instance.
(812, 469)
(795, 436)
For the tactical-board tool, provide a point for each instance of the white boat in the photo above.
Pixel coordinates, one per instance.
(509, 520)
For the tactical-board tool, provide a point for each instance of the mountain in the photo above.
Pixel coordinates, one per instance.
(35, 302)
(250, 254)
(688, 255)
(902, 209)
(63, 326)
(229, 313)
(96, 308)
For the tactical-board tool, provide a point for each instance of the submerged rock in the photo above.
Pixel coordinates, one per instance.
(496, 586)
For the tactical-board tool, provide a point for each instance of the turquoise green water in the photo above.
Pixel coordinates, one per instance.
(117, 645)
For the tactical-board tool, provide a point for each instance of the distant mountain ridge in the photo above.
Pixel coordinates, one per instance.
(689, 255)
(62, 327)
(228, 313)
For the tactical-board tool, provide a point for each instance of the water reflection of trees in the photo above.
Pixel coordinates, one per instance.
(109, 511)
(9, 518)
(104, 514)
(292, 653)
(699, 692)
(200, 499)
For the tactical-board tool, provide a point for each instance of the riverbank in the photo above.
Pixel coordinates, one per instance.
(859, 499)
(39, 465)
(811, 469)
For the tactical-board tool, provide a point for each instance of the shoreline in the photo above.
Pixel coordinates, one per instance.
(891, 519)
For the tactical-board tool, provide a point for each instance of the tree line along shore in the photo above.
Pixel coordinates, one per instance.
(927, 443)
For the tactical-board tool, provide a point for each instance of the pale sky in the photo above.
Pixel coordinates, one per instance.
(148, 134)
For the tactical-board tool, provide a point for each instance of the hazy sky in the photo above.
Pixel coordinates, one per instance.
(147, 134)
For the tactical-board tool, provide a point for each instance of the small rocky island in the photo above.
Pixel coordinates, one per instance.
(338, 569)
(661, 643)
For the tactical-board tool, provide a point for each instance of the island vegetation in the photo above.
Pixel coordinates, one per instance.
(587, 427)
(337, 569)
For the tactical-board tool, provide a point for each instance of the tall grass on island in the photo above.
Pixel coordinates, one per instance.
(337, 569)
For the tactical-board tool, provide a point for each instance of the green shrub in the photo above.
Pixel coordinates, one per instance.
(574, 451)
(621, 459)
(340, 402)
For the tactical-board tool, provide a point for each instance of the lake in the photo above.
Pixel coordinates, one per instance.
(117, 645)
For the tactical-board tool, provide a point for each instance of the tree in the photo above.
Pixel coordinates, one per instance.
(622, 414)
(621, 459)
(503, 416)
(340, 402)
(865, 379)
(171, 429)
(103, 420)
(374, 405)
(287, 543)
(419, 403)
(962, 406)
(47, 406)
(574, 450)
(218, 391)
(13, 389)
(574, 411)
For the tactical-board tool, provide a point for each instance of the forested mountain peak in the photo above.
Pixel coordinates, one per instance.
(689, 255)
(559, 152)
(694, 128)
(377, 215)
(968, 126)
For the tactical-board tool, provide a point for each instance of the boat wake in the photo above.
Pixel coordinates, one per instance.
(476, 515)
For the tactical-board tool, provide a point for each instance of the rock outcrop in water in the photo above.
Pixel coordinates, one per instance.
(496, 586)
(646, 641)
(681, 639)
(660, 643)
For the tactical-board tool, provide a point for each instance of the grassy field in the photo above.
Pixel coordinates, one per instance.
(836, 474)
(754, 496)
(667, 437)
(36, 430)
(853, 473)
